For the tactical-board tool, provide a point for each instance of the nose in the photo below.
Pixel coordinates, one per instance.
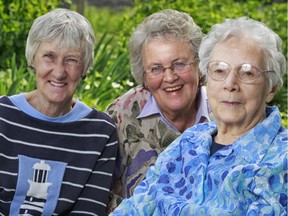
(59, 71)
(169, 75)
(231, 83)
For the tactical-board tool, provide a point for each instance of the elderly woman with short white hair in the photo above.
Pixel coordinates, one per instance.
(57, 155)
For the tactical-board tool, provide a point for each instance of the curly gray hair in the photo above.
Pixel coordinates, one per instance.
(163, 24)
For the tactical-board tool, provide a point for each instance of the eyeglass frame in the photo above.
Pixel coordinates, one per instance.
(237, 71)
(172, 67)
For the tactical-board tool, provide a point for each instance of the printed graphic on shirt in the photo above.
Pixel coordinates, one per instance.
(38, 186)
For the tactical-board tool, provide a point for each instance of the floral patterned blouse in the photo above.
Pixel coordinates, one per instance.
(248, 177)
(141, 139)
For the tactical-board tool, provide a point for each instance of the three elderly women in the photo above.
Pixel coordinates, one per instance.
(233, 165)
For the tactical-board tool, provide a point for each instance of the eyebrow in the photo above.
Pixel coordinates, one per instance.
(175, 60)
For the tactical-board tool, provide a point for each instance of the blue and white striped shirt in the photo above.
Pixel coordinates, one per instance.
(55, 168)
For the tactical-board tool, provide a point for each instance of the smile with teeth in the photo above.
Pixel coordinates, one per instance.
(57, 84)
(173, 88)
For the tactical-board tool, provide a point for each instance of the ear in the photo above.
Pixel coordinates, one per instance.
(271, 94)
(145, 84)
(32, 67)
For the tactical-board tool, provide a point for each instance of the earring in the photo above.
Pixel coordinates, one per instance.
(146, 87)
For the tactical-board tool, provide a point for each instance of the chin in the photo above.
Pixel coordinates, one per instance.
(176, 108)
(228, 118)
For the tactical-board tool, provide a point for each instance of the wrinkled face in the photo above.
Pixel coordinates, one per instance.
(233, 102)
(58, 71)
(173, 92)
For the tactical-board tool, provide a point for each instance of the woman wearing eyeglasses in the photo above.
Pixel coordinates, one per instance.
(169, 98)
(237, 164)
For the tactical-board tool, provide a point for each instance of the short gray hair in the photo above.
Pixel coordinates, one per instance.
(267, 39)
(163, 24)
(69, 27)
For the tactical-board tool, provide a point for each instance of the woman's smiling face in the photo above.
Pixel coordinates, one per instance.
(58, 71)
(172, 92)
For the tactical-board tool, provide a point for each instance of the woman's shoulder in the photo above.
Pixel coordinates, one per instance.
(4, 99)
(6, 102)
(137, 96)
(99, 116)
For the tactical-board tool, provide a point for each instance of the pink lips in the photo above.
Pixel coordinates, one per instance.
(228, 103)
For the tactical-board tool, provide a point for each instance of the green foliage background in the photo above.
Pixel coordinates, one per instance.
(110, 75)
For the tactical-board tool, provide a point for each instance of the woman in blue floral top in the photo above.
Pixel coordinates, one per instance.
(237, 164)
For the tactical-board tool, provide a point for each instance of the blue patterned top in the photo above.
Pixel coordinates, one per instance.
(248, 177)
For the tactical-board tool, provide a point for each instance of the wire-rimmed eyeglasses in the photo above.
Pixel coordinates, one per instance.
(247, 73)
(178, 67)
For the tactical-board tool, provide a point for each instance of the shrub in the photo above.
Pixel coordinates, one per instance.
(208, 12)
(16, 18)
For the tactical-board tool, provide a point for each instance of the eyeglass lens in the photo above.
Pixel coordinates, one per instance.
(220, 70)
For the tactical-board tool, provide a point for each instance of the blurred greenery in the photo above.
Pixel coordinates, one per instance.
(110, 74)
(16, 17)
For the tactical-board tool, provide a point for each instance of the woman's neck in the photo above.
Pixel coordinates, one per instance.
(229, 133)
(46, 108)
(182, 120)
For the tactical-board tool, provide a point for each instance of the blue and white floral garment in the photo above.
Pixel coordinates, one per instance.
(248, 177)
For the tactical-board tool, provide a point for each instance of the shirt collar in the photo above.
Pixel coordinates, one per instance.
(152, 108)
(203, 107)
(264, 133)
